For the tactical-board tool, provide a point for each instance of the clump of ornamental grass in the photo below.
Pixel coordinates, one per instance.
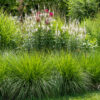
(3, 72)
(44, 75)
(91, 64)
(26, 77)
(74, 80)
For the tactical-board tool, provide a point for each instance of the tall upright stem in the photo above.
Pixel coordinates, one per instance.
(20, 9)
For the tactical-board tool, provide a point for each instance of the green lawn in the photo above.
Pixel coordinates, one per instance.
(87, 96)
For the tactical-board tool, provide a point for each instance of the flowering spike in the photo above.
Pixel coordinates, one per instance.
(51, 14)
(46, 10)
(38, 13)
(47, 22)
(38, 19)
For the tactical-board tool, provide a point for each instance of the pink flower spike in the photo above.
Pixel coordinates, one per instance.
(38, 13)
(47, 21)
(46, 10)
(51, 14)
(38, 19)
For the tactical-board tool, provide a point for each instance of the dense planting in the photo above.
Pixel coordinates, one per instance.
(9, 32)
(80, 9)
(49, 48)
(38, 75)
(43, 31)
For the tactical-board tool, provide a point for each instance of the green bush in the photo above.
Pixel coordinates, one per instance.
(59, 6)
(93, 27)
(46, 40)
(79, 9)
(4, 2)
(9, 5)
(98, 1)
(42, 39)
(74, 44)
(9, 32)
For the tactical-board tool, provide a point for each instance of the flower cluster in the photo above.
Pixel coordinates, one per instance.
(39, 19)
(75, 29)
(43, 21)
(46, 15)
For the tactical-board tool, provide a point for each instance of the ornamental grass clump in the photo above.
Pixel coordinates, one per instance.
(74, 80)
(91, 64)
(39, 75)
(26, 77)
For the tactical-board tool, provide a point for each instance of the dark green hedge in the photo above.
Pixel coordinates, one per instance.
(79, 9)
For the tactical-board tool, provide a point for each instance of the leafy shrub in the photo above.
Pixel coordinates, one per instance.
(59, 6)
(9, 32)
(98, 3)
(79, 9)
(92, 27)
(9, 5)
(2, 2)
(42, 39)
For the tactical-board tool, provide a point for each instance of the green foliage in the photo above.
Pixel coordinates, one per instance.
(42, 39)
(91, 64)
(74, 79)
(98, 1)
(39, 4)
(2, 2)
(46, 37)
(95, 95)
(93, 27)
(79, 9)
(74, 44)
(9, 5)
(27, 76)
(38, 75)
(46, 40)
(9, 32)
